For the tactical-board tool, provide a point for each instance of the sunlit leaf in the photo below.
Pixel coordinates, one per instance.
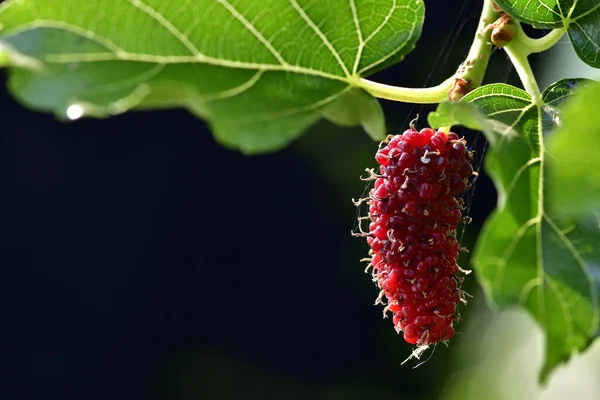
(259, 71)
(527, 255)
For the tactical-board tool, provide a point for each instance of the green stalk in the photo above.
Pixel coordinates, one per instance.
(529, 45)
(479, 55)
(519, 49)
(471, 71)
(523, 68)
(435, 94)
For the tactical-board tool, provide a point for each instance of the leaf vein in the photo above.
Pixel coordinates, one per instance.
(509, 128)
(539, 216)
(527, 288)
(168, 25)
(566, 312)
(591, 10)
(131, 81)
(44, 23)
(384, 22)
(587, 36)
(359, 34)
(252, 29)
(151, 58)
(507, 110)
(483, 96)
(399, 48)
(320, 34)
(235, 91)
(290, 111)
(577, 256)
(511, 248)
(119, 54)
(520, 171)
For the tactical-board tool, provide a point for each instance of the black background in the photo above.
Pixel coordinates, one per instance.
(143, 261)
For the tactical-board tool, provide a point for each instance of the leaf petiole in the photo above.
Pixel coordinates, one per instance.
(529, 45)
(468, 77)
(518, 57)
(435, 94)
(519, 49)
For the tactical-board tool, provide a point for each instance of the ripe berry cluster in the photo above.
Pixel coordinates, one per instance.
(414, 209)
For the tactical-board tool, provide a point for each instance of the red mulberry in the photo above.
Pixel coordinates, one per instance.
(414, 209)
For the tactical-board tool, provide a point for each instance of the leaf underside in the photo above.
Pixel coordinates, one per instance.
(527, 254)
(580, 17)
(259, 71)
(531, 253)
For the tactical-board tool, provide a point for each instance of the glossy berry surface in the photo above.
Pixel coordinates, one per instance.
(414, 209)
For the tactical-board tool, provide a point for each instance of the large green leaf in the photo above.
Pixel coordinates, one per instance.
(527, 255)
(259, 71)
(581, 17)
(575, 156)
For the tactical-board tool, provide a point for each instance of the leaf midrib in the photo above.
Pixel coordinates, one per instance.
(196, 56)
(115, 53)
(542, 276)
(543, 280)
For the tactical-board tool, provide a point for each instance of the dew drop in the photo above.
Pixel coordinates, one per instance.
(75, 111)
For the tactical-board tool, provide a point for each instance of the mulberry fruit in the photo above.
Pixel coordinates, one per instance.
(414, 209)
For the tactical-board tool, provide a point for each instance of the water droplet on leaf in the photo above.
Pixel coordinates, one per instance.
(75, 111)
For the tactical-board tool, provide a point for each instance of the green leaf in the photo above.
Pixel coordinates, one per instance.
(574, 164)
(448, 114)
(527, 255)
(259, 71)
(580, 17)
(357, 107)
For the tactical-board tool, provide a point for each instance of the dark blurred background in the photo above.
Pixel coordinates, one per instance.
(143, 261)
